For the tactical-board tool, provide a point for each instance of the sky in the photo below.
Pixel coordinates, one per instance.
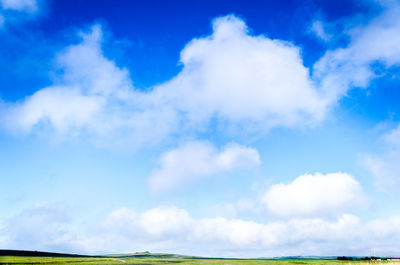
(213, 128)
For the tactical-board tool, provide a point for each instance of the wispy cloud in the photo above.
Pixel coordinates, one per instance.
(376, 42)
(318, 28)
(12, 11)
(385, 168)
(28, 6)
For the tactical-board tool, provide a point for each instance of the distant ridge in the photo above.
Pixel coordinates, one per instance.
(28, 253)
(146, 254)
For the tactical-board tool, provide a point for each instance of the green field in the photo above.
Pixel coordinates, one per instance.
(182, 261)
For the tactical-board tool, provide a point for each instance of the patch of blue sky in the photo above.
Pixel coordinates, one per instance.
(146, 38)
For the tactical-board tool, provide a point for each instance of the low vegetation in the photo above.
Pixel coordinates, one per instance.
(165, 259)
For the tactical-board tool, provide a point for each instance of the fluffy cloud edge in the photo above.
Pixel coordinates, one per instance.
(197, 160)
(241, 85)
(315, 195)
(82, 104)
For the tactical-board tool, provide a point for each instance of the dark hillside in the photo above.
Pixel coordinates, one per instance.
(26, 253)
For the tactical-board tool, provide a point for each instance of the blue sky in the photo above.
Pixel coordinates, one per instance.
(221, 129)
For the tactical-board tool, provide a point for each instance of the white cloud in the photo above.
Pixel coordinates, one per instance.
(196, 160)
(241, 238)
(73, 109)
(29, 6)
(93, 99)
(313, 195)
(43, 226)
(12, 11)
(385, 168)
(230, 77)
(168, 228)
(164, 221)
(376, 42)
(229, 80)
(241, 78)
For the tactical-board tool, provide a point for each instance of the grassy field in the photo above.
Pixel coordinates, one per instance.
(182, 261)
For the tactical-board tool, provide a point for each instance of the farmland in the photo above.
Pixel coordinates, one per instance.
(176, 259)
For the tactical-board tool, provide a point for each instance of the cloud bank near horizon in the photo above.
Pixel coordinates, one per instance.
(168, 228)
